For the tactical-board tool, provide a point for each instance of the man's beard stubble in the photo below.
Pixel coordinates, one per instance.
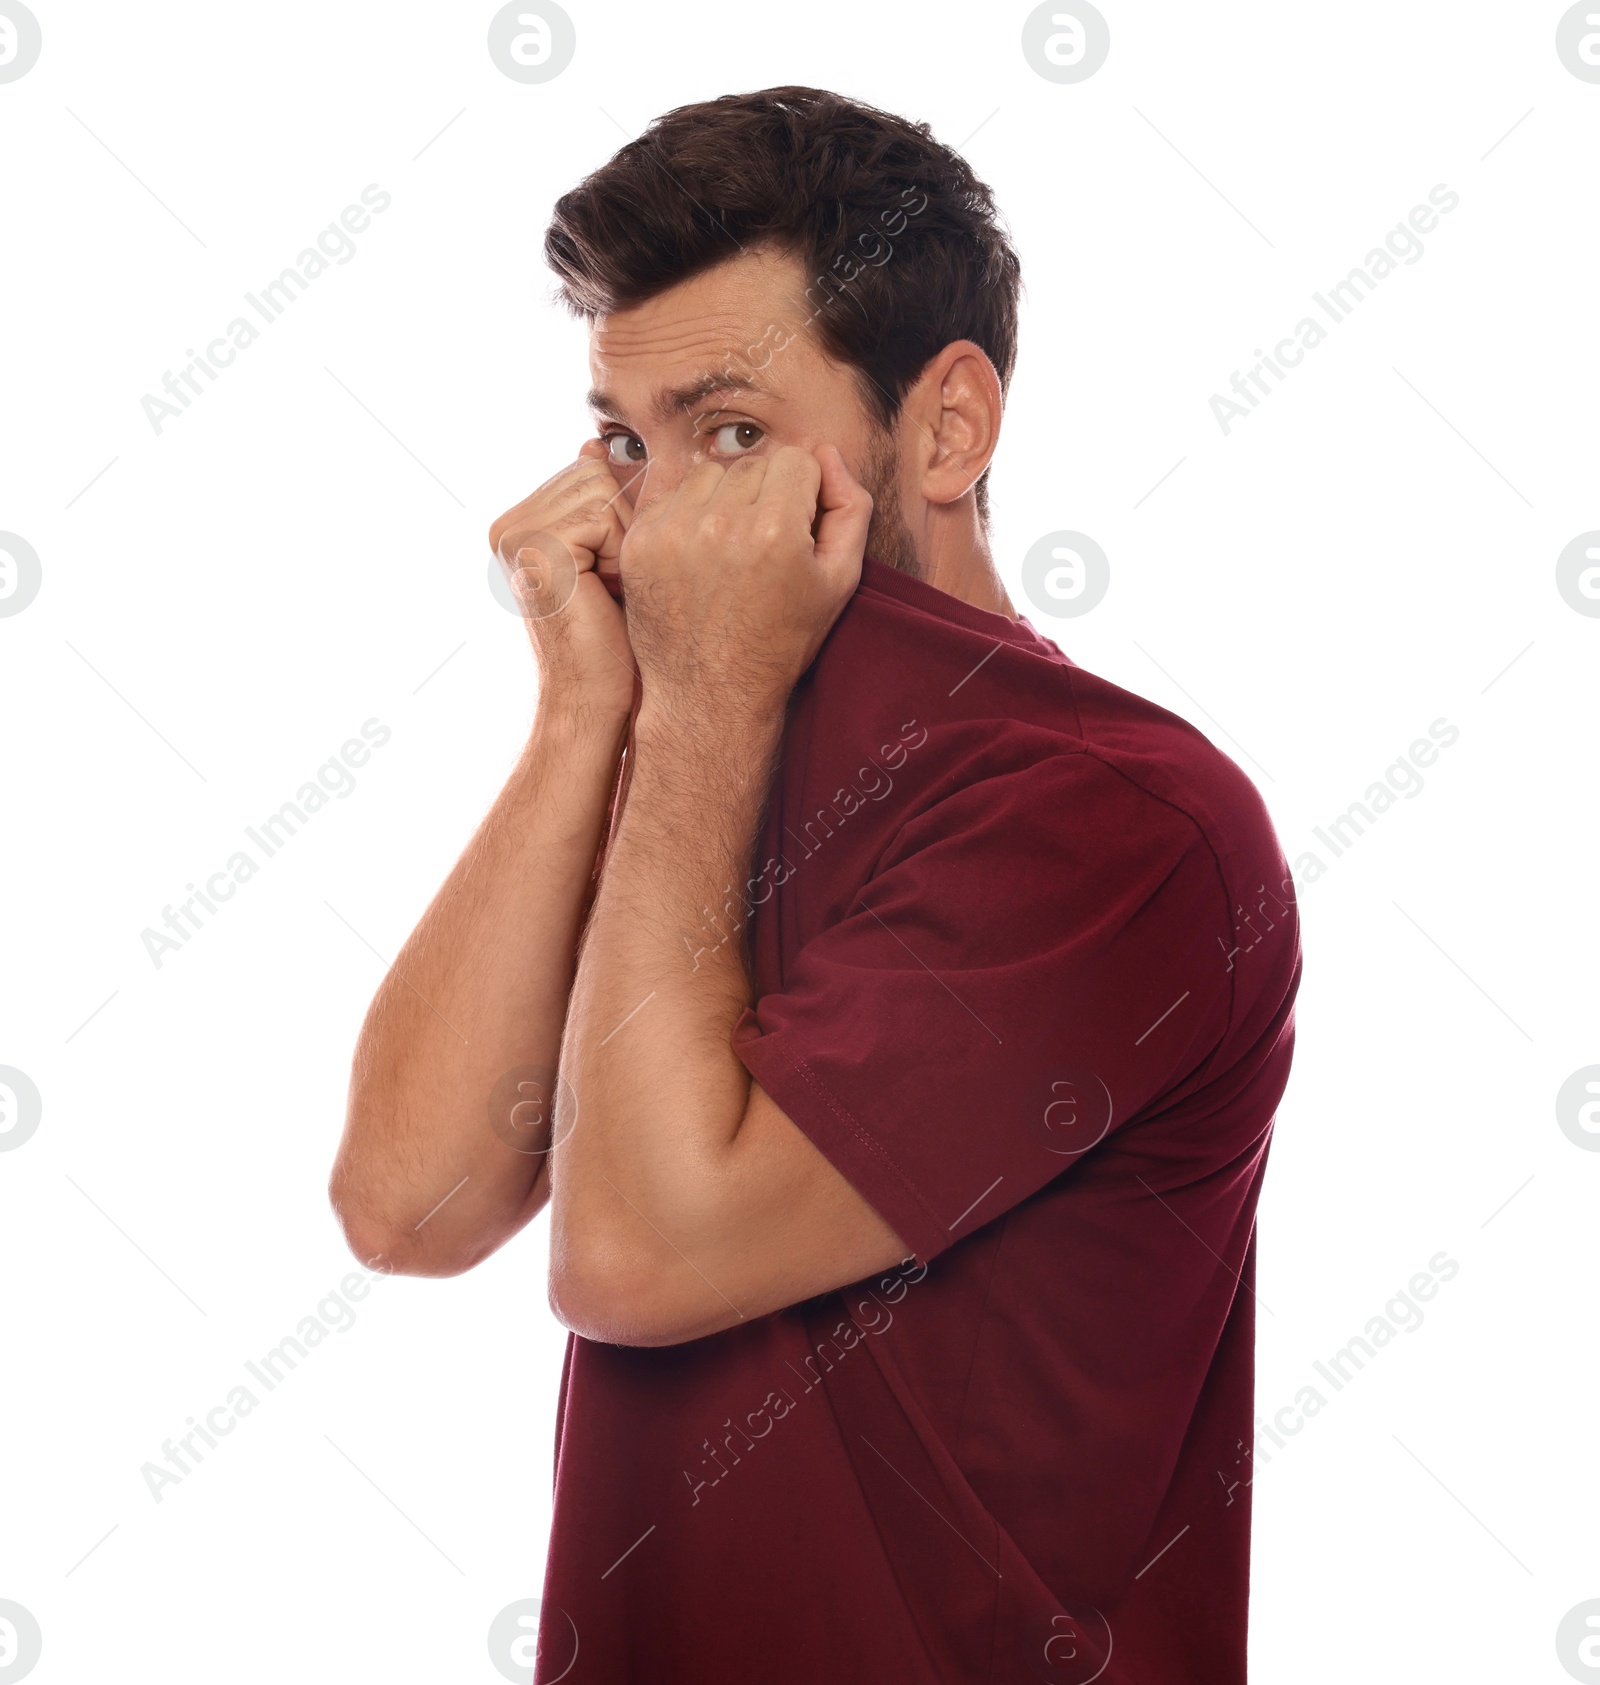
(889, 540)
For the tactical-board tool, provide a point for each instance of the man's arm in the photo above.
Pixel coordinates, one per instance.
(446, 1137)
(684, 1200)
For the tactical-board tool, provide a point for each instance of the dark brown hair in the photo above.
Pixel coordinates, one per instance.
(901, 242)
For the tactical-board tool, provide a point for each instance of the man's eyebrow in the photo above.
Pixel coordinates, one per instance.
(677, 399)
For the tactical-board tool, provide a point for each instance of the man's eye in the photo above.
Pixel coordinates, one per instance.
(624, 449)
(734, 438)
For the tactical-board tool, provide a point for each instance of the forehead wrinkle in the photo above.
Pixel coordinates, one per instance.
(709, 339)
(710, 348)
(675, 400)
(667, 337)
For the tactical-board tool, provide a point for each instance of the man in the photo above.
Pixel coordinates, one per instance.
(921, 1002)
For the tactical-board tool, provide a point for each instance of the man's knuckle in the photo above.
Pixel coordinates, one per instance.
(583, 514)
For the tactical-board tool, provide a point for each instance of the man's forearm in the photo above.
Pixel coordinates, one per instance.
(477, 995)
(659, 1091)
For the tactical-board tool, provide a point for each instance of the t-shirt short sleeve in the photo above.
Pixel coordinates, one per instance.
(1036, 960)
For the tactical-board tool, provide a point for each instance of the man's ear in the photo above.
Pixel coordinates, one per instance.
(954, 410)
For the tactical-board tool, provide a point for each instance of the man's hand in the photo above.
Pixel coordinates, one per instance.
(732, 581)
(559, 546)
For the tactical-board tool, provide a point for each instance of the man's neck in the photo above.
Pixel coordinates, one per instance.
(955, 557)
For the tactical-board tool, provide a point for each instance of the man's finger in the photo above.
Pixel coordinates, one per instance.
(699, 485)
(625, 478)
(793, 477)
(742, 480)
(791, 484)
(845, 511)
(591, 530)
(569, 487)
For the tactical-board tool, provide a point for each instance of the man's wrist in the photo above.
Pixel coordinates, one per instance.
(579, 724)
(722, 729)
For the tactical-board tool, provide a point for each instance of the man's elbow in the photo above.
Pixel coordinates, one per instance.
(388, 1247)
(618, 1299)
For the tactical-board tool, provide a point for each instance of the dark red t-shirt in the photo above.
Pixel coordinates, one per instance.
(1026, 955)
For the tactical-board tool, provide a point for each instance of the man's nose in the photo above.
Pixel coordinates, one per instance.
(662, 477)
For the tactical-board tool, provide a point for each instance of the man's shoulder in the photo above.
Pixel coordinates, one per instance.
(982, 700)
(1168, 757)
(1060, 727)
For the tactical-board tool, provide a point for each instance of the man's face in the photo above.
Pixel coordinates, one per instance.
(725, 365)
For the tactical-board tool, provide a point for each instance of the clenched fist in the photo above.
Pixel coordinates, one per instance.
(732, 582)
(561, 548)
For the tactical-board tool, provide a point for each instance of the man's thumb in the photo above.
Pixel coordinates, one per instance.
(844, 512)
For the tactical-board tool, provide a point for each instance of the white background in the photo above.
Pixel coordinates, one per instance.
(230, 599)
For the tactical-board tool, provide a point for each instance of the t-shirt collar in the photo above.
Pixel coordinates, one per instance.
(890, 582)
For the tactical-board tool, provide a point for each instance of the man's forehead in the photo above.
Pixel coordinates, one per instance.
(672, 329)
(727, 322)
(665, 334)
